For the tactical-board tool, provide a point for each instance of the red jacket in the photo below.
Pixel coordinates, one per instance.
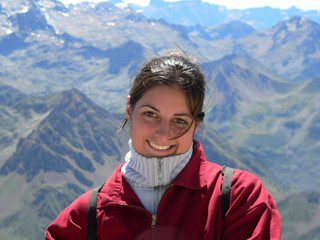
(190, 209)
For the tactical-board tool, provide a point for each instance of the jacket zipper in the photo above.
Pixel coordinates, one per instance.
(160, 178)
(160, 170)
(154, 221)
(154, 216)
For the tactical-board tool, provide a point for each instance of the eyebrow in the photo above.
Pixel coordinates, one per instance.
(176, 114)
(147, 105)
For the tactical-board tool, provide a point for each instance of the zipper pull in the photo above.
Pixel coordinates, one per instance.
(154, 221)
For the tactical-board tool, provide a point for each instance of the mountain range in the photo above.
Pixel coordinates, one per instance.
(66, 71)
(189, 13)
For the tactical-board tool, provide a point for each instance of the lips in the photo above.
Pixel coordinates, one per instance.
(159, 147)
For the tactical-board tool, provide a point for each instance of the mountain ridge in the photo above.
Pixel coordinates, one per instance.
(212, 14)
(47, 154)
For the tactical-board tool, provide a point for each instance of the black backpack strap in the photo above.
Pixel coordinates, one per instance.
(92, 213)
(227, 173)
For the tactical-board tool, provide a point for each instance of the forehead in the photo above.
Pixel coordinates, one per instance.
(165, 96)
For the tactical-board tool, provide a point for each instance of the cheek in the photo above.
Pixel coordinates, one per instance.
(139, 127)
(185, 141)
(188, 138)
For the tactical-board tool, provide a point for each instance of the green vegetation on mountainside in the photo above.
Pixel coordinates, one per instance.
(300, 213)
(38, 207)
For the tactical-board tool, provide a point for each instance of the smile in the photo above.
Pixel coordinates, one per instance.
(158, 147)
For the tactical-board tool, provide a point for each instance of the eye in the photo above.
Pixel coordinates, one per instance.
(181, 123)
(150, 114)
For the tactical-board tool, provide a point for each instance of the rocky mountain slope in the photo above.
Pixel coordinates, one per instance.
(274, 119)
(290, 48)
(60, 146)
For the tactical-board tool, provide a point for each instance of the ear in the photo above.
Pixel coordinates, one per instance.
(197, 125)
(128, 109)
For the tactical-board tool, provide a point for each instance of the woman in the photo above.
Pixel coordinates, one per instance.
(166, 189)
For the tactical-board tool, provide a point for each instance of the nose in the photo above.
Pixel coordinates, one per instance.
(163, 129)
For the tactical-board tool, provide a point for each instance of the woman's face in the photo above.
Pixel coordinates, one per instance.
(160, 115)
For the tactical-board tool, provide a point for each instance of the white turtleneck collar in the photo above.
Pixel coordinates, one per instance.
(153, 172)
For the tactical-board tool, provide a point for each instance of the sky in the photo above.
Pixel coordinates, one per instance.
(236, 4)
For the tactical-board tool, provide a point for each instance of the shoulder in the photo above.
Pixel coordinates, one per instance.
(244, 181)
(241, 180)
(250, 202)
(248, 192)
(72, 221)
(78, 209)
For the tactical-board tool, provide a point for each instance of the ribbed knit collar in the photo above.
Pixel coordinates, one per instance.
(152, 172)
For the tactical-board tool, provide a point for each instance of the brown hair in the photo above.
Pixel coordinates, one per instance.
(172, 70)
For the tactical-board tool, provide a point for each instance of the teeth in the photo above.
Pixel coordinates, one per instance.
(159, 147)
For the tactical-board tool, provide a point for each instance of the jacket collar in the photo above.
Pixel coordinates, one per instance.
(193, 176)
